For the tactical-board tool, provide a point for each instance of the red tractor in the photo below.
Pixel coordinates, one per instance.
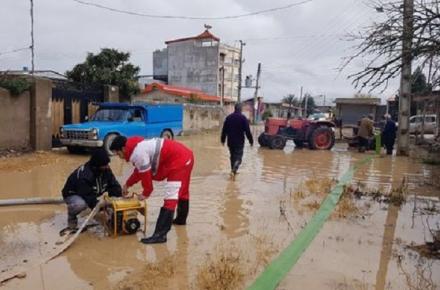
(316, 134)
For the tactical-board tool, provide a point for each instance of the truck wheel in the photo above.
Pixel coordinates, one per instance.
(108, 140)
(277, 142)
(75, 149)
(322, 138)
(167, 134)
(263, 140)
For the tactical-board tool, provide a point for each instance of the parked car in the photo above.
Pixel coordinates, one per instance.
(113, 119)
(415, 124)
(317, 117)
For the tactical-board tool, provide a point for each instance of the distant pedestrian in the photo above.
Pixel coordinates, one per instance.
(365, 132)
(234, 128)
(389, 134)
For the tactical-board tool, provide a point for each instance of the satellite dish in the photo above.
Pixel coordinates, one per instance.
(207, 26)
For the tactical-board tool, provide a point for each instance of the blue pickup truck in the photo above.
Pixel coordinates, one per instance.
(113, 119)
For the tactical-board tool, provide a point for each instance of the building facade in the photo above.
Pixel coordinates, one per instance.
(199, 62)
(351, 110)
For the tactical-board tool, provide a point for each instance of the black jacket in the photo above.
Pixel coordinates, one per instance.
(235, 127)
(89, 183)
(389, 132)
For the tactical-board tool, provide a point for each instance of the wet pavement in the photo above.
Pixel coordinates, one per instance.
(235, 227)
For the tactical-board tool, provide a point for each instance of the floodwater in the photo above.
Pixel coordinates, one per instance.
(235, 228)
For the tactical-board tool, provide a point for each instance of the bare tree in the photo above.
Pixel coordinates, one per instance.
(381, 44)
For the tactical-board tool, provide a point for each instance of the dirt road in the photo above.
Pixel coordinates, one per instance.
(235, 227)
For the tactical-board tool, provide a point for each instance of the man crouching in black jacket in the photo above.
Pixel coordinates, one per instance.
(87, 183)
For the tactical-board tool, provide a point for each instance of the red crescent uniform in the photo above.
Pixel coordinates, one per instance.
(160, 159)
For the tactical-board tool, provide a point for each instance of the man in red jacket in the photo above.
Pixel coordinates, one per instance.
(159, 159)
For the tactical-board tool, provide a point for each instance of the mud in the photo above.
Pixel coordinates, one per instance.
(235, 228)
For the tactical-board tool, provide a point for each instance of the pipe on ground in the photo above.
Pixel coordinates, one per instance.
(31, 200)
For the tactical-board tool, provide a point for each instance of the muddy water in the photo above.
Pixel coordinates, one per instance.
(249, 220)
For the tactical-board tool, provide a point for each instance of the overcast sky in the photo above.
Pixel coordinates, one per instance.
(300, 46)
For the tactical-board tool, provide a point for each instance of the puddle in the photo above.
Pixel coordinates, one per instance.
(234, 226)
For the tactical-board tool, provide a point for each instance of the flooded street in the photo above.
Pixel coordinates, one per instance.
(235, 228)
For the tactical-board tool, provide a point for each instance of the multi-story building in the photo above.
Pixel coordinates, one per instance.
(201, 62)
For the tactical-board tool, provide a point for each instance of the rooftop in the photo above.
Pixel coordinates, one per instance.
(204, 35)
(50, 74)
(359, 101)
(186, 93)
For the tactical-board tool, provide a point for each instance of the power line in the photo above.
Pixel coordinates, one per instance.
(192, 17)
(14, 50)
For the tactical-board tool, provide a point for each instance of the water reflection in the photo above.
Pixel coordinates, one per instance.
(233, 213)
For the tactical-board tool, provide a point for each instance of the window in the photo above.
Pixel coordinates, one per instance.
(430, 119)
(222, 57)
(136, 114)
(110, 114)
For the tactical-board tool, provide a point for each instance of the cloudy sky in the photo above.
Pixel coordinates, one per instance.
(300, 46)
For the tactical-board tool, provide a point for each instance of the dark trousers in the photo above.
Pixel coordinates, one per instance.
(363, 144)
(75, 205)
(389, 146)
(236, 155)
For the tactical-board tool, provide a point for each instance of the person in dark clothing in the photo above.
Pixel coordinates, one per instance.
(234, 128)
(389, 134)
(87, 183)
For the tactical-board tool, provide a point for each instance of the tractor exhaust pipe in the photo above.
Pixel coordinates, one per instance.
(31, 200)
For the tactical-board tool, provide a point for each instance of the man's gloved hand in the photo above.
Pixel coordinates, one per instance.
(141, 197)
(125, 190)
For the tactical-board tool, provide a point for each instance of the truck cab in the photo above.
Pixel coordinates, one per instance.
(113, 119)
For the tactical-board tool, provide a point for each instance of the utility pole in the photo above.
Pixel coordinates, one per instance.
(223, 86)
(32, 38)
(300, 99)
(405, 79)
(239, 71)
(256, 93)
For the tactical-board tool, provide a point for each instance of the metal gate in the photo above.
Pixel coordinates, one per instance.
(71, 103)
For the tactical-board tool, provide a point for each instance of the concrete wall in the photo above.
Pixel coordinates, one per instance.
(352, 113)
(160, 64)
(157, 96)
(14, 120)
(197, 118)
(231, 65)
(41, 114)
(26, 120)
(192, 65)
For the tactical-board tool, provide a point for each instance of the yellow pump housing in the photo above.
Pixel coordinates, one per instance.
(122, 215)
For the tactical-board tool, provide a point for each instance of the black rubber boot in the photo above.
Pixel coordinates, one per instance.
(182, 212)
(163, 225)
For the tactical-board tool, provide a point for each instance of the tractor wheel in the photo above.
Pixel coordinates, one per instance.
(277, 142)
(322, 138)
(263, 140)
